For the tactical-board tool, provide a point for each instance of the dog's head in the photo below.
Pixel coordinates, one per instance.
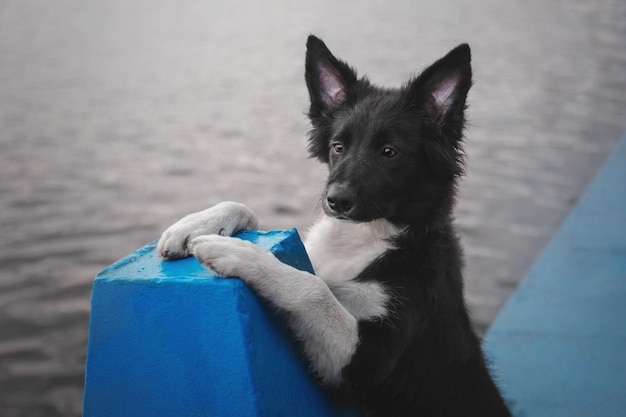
(391, 153)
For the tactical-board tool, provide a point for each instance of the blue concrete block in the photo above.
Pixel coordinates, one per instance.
(558, 344)
(173, 339)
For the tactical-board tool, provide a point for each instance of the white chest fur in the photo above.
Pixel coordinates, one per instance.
(339, 250)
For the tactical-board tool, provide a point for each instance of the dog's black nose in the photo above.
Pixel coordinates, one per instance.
(339, 199)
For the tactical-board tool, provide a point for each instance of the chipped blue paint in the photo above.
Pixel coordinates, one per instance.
(173, 339)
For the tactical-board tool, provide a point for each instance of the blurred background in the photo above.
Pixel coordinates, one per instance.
(118, 117)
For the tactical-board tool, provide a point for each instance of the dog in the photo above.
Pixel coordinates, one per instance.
(383, 322)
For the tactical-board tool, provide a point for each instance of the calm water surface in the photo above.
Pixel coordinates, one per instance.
(118, 117)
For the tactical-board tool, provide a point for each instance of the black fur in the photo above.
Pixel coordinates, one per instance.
(397, 154)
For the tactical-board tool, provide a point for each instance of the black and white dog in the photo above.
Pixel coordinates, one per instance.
(383, 322)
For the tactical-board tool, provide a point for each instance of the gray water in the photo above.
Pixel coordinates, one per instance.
(117, 117)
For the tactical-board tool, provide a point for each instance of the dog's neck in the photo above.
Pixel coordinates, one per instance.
(340, 250)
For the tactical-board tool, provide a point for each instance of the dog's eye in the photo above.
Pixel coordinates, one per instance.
(389, 152)
(337, 147)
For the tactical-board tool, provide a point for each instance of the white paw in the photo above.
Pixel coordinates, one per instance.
(224, 219)
(230, 257)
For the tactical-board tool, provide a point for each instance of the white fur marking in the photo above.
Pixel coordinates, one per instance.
(339, 250)
(364, 300)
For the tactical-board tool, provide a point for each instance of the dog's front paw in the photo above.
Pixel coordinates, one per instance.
(228, 256)
(223, 219)
(173, 243)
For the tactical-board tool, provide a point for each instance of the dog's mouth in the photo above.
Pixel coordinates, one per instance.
(342, 217)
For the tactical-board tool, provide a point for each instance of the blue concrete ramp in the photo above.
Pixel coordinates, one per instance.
(559, 344)
(172, 339)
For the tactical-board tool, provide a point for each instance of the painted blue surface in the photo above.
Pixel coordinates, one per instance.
(559, 344)
(173, 339)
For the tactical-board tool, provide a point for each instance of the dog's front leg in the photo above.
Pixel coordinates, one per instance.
(224, 219)
(328, 332)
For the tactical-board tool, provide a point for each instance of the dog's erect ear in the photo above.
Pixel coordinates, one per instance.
(327, 78)
(442, 88)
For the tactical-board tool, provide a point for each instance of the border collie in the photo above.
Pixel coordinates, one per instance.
(383, 323)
